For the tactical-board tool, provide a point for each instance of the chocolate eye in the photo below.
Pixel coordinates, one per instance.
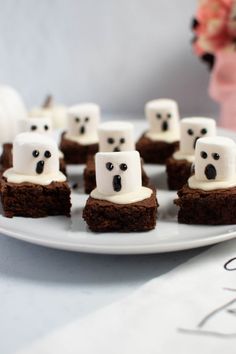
(33, 127)
(86, 119)
(110, 141)
(123, 167)
(216, 156)
(47, 154)
(203, 131)
(46, 127)
(77, 120)
(122, 140)
(203, 154)
(35, 153)
(158, 115)
(190, 132)
(169, 115)
(109, 166)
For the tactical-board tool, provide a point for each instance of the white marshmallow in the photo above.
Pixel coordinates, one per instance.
(116, 136)
(41, 125)
(35, 155)
(191, 129)
(162, 115)
(118, 172)
(215, 159)
(83, 120)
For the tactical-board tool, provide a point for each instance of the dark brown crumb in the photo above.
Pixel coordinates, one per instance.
(75, 153)
(155, 151)
(35, 201)
(216, 207)
(178, 173)
(104, 216)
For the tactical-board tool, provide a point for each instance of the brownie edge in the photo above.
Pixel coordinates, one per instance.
(178, 173)
(35, 201)
(156, 152)
(217, 207)
(104, 216)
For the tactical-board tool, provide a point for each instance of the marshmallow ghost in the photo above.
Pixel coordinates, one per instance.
(41, 125)
(116, 136)
(83, 120)
(163, 118)
(215, 164)
(35, 159)
(118, 177)
(191, 129)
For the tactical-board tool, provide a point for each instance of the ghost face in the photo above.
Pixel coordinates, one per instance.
(118, 172)
(34, 154)
(162, 115)
(83, 120)
(192, 129)
(38, 125)
(215, 159)
(116, 136)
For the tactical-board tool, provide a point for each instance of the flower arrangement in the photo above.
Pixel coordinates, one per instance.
(214, 27)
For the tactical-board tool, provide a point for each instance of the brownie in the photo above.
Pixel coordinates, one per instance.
(104, 216)
(155, 151)
(75, 153)
(90, 176)
(217, 207)
(6, 159)
(178, 173)
(34, 200)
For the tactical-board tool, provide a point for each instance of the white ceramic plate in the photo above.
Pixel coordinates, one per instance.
(72, 233)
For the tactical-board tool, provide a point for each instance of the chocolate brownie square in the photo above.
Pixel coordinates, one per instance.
(178, 173)
(6, 159)
(217, 207)
(104, 216)
(90, 175)
(75, 153)
(35, 201)
(155, 151)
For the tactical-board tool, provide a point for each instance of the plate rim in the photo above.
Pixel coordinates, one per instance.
(121, 250)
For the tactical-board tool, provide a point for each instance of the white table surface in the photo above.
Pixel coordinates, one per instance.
(42, 289)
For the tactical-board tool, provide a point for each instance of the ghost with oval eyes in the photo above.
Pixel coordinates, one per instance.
(118, 178)
(191, 129)
(40, 125)
(83, 120)
(163, 119)
(35, 160)
(116, 136)
(215, 164)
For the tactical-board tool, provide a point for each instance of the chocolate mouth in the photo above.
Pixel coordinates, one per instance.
(116, 149)
(210, 172)
(82, 130)
(40, 167)
(117, 183)
(195, 142)
(165, 126)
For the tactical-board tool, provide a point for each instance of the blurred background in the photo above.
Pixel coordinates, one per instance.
(119, 54)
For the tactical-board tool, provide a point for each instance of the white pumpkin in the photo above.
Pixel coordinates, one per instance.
(12, 109)
(58, 113)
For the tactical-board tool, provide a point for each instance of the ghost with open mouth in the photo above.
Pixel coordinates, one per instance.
(115, 136)
(215, 164)
(120, 202)
(83, 120)
(179, 166)
(35, 160)
(161, 139)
